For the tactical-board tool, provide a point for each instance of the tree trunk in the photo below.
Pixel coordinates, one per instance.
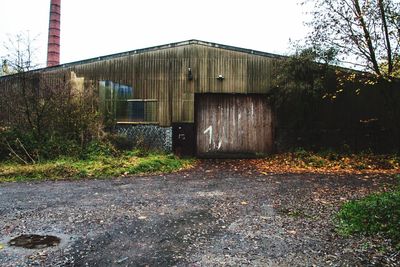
(386, 32)
(367, 37)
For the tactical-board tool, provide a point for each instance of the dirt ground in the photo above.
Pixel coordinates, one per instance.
(217, 214)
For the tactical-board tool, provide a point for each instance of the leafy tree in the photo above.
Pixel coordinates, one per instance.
(367, 31)
(298, 88)
(308, 72)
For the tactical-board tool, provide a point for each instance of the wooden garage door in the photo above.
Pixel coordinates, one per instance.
(232, 124)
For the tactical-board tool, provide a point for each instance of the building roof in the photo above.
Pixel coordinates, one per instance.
(159, 47)
(166, 46)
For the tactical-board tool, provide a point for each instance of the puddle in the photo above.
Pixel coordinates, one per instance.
(35, 241)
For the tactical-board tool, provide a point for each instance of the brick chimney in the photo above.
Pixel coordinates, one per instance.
(53, 47)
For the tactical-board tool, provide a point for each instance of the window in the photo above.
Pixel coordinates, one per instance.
(117, 102)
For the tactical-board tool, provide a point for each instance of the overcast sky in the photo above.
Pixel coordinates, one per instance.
(91, 28)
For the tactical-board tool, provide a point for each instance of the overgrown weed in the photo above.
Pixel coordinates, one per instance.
(376, 214)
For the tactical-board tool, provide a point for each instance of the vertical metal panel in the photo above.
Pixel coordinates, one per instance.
(233, 124)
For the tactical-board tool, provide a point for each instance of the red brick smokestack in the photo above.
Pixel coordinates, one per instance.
(53, 47)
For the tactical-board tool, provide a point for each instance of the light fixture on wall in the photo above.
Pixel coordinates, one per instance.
(220, 77)
(190, 75)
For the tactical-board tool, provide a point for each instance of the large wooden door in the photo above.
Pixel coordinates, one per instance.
(233, 125)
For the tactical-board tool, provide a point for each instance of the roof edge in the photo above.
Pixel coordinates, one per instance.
(167, 46)
(161, 47)
(155, 48)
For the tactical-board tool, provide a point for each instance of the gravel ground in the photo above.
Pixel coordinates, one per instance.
(221, 213)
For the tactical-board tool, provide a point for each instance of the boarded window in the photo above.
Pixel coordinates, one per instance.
(117, 102)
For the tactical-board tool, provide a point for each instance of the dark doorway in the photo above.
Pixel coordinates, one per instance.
(183, 140)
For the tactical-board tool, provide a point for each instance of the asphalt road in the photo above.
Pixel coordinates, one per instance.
(221, 213)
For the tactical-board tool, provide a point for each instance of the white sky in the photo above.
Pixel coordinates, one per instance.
(91, 28)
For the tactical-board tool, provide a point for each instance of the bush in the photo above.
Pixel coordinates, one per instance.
(374, 214)
(48, 119)
(56, 146)
(18, 145)
(120, 142)
(23, 146)
(310, 159)
(96, 149)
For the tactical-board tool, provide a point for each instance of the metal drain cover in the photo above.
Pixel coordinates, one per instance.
(34, 241)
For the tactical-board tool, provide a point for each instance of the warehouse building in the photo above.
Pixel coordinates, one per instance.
(210, 100)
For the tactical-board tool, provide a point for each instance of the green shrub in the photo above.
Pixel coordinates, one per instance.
(120, 142)
(374, 214)
(21, 146)
(49, 120)
(309, 158)
(301, 153)
(14, 141)
(97, 149)
(330, 154)
(56, 146)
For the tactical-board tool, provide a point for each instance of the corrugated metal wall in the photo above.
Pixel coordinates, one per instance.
(233, 124)
(162, 74)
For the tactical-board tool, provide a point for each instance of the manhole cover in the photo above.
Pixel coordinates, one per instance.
(34, 241)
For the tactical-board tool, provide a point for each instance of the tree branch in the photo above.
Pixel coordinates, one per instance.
(367, 37)
(15, 154)
(386, 32)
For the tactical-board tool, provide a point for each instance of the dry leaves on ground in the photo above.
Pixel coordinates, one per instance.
(307, 162)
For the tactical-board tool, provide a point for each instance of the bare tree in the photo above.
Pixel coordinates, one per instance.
(367, 31)
(43, 114)
(48, 114)
(20, 54)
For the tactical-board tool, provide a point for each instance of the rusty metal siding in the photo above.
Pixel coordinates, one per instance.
(233, 124)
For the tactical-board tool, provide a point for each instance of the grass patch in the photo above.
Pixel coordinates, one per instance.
(95, 166)
(372, 215)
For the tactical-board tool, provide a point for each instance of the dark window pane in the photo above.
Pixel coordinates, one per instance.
(121, 111)
(151, 111)
(117, 102)
(136, 110)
